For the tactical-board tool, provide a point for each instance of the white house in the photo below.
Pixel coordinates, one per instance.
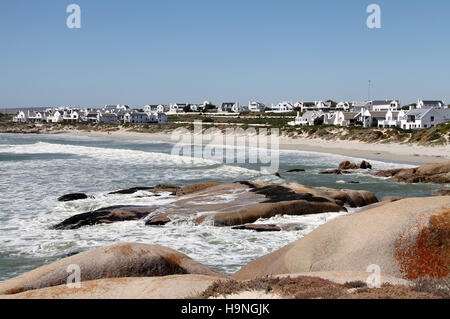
(230, 107)
(177, 108)
(93, 117)
(21, 117)
(55, 117)
(115, 108)
(424, 118)
(376, 117)
(426, 104)
(70, 116)
(256, 106)
(282, 107)
(108, 118)
(358, 106)
(34, 117)
(392, 119)
(385, 105)
(150, 108)
(343, 106)
(307, 118)
(157, 118)
(341, 118)
(136, 117)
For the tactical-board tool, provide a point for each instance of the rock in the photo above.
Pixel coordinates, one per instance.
(247, 202)
(431, 173)
(442, 192)
(348, 165)
(72, 197)
(118, 261)
(155, 189)
(407, 239)
(392, 198)
(276, 174)
(258, 227)
(295, 170)
(353, 198)
(105, 215)
(167, 287)
(132, 190)
(365, 165)
(194, 188)
(335, 171)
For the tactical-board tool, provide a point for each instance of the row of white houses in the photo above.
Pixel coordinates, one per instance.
(420, 118)
(110, 114)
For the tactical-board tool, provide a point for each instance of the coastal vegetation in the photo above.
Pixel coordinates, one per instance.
(437, 135)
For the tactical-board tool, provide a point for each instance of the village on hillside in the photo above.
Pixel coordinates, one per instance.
(377, 113)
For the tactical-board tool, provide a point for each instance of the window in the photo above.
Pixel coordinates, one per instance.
(432, 119)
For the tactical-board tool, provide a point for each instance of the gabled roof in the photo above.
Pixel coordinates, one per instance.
(445, 113)
(428, 102)
(109, 115)
(378, 113)
(383, 102)
(418, 113)
(350, 115)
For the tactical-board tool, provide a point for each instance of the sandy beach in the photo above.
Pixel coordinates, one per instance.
(392, 152)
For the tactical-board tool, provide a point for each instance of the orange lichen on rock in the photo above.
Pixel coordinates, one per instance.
(428, 252)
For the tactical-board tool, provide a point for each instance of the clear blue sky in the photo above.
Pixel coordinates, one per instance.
(166, 51)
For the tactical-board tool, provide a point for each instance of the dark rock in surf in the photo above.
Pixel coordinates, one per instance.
(296, 170)
(72, 197)
(258, 228)
(131, 190)
(106, 215)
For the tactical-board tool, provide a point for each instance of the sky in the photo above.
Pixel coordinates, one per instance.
(150, 51)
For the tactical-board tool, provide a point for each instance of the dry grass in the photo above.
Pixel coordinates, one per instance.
(317, 288)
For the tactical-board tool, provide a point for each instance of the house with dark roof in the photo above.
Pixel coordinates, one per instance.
(428, 104)
(385, 105)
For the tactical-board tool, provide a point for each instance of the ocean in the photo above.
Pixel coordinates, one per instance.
(36, 169)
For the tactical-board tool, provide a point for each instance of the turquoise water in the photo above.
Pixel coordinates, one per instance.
(36, 169)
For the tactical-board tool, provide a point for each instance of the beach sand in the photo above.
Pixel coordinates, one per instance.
(391, 152)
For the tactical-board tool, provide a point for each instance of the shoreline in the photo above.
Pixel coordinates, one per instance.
(392, 152)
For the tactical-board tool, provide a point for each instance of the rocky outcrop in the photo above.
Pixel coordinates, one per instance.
(392, 198)
(167, 287)
(296, 170)
(348, 165)
(247, 202)
(258, 227)
(118, 261)
(344, 168)
(431, 173)
(105, 215)
(408, 239)
(154, 189)
(353, 198)
(228, 204)
(194, 188)
(335, 171)
(72, 197)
